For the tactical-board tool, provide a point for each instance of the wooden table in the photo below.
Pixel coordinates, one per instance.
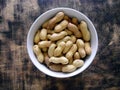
(16, 69)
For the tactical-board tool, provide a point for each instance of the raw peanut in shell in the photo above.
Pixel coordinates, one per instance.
(59, 60)
(58, 51)
(45, 24)
(68, 68)
(65, 39)
(57, 18)
(68, 45)
(56, 67)
(75, 30)
(68, 32)
(51, 50)
(84, 30)
(61, 26)
(44, 49)
(58, 36)
(73, 38)
(75, 21)
(37, 37)
(88, 48)
(46, 59)
(82, 52)
(78, 63)
(67, 18)
(50, 31)
(80, 43)
(38, 53)
(44, 44)
(76, 55)
(71, 52)
(43, 34)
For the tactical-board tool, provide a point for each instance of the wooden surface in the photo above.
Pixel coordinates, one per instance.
(16, 69)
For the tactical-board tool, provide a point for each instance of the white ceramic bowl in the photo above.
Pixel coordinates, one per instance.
(47, 15)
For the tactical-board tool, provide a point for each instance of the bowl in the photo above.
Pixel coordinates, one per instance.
(47, 15)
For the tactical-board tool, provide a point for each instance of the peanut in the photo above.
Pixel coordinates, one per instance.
(71, 52)
(44, 44)
(67, 18)
(58, 60)
(68, 68)
(65, 39)
(68, 32)
(50, 31)
(73, 38)
(52, 22)
(75, 21)
(84, 30)
(43, 34)
(51, 50)
(60, 27)
(80, 43)
(76, 55)
(58, 36)
(38, 53)
(68, 45)
(58, 51)
(47, 59)
(78, 63)
(56, 67)
(44, 49)
(45, 24)
(75, 30)
(82, 52)
(88, 48)
(37, 37)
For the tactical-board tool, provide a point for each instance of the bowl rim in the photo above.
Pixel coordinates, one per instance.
(69, 74)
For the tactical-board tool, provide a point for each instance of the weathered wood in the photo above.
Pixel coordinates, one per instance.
(17, 71)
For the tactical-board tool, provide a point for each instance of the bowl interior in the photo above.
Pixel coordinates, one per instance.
(47, 15)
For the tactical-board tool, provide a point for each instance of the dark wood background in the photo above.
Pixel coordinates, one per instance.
(16, 69)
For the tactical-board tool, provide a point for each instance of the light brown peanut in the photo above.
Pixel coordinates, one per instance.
(43, 34)
(80, 43)
(84, 30)
(68, 32)
(68, 68)
(75, 30)
(46, 59)
(73, 38)
(61, 26)
(82, 52)
(75, 21)
(76, 55)
(68, 45)
(58, 36)
(67, 18)
(56, 67)
(50, 31)
(59, 60)
(78, 63)
(37, 37)
(38, 53)
(45, 25)
(88, 48)
(51, 50)
(44, 44)
(58, 51)
(65, 39)
(71, 52)
(57, 18)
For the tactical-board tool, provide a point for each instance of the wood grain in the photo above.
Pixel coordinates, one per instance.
(16, 69)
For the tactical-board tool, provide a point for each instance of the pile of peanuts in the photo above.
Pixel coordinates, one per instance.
(62, 43)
